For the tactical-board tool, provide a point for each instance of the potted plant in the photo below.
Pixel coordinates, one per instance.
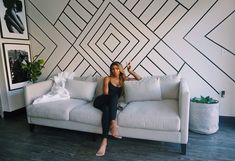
(33, 69)
(204, 115)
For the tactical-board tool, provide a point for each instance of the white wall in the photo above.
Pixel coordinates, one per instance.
(10, 100)
(194, 38)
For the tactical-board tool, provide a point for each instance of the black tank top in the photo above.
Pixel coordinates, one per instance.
(113, 90)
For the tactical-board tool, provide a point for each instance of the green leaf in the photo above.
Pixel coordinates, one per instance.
(206, 100)
(33, 69)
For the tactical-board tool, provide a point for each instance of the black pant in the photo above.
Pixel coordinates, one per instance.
(108, 105)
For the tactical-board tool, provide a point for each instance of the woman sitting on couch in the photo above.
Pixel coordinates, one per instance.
(107, 102)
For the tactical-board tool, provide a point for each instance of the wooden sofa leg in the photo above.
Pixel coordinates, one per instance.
(31, 127)
(183, 149)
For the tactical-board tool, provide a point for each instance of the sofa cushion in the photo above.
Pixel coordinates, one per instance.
(99, 87)
(170, 86)
(155, 115)
(81, 89)
(86, 114)
(58, 110)
(89, 78)
(146, 89)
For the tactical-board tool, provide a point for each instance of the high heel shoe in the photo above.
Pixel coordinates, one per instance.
(117, 136)
(114, 132)
(100, 154)
(102, 148)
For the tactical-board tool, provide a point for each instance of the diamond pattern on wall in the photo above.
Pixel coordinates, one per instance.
(104, 46)
(140, 38)
(221, 33)
(111, 42)
(159, 37)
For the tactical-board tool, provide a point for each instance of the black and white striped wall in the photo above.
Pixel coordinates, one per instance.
(194, 38)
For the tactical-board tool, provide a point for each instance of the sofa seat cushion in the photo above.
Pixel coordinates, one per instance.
(155, 115)
(57, 110)
(87, 114)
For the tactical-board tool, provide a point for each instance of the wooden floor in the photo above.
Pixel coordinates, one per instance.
(17, 143)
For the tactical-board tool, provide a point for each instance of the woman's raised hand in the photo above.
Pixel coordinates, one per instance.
(128, 66)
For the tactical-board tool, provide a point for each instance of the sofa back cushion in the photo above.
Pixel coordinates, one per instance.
(81, 89)
(147, 89)
(99, 87)
(170, 86)
(89, 78)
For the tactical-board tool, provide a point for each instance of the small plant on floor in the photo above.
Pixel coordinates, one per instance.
(205, 100)
(33, 69)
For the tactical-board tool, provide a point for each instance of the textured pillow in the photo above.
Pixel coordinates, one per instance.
(147, 89)
(81, 89)
(89, 78)
(99, 87)
(170, 86)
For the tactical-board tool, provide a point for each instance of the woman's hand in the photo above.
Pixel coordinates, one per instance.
(129, 67)
(135, 75)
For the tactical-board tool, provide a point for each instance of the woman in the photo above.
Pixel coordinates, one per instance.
(107, 102)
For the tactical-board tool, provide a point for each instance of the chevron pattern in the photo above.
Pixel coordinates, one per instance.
(159, 37)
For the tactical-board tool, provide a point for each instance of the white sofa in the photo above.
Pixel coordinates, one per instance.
(156, 108)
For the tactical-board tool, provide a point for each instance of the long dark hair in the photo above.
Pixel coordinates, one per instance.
(122, 76)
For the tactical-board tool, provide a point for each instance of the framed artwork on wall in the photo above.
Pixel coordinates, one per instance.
(15, 55)
(13, 19)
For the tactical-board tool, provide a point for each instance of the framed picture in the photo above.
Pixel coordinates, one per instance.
(13, 19)
(15, 55)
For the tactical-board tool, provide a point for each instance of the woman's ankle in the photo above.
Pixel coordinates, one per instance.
(113, 123)
(104, 142)
(102, 149)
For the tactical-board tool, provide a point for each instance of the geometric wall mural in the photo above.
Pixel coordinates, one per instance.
(192, 38)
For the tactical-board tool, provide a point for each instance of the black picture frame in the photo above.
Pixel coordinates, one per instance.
(14, 55)
(13, 19)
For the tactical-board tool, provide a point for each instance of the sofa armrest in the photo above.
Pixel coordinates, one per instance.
(184, 105)
(33, 91)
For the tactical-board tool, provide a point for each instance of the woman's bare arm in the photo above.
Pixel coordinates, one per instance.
(134, 74)
(105, 85)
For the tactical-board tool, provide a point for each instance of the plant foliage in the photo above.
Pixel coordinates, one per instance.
(33, 69)
(206, 100)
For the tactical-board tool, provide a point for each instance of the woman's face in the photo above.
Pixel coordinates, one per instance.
(115, 70)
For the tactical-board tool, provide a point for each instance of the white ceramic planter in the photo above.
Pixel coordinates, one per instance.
(204, 118)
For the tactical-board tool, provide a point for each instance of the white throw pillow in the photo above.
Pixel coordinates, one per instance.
(147, 89)
(89, 78)
(81, 89)
(170, 86)
(99, 88)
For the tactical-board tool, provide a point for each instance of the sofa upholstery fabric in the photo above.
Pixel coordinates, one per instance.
(165, 119)
(170, 86)
(147, 89)
(58, 110)
(86, 114)
(81, 89)
(155, 115)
